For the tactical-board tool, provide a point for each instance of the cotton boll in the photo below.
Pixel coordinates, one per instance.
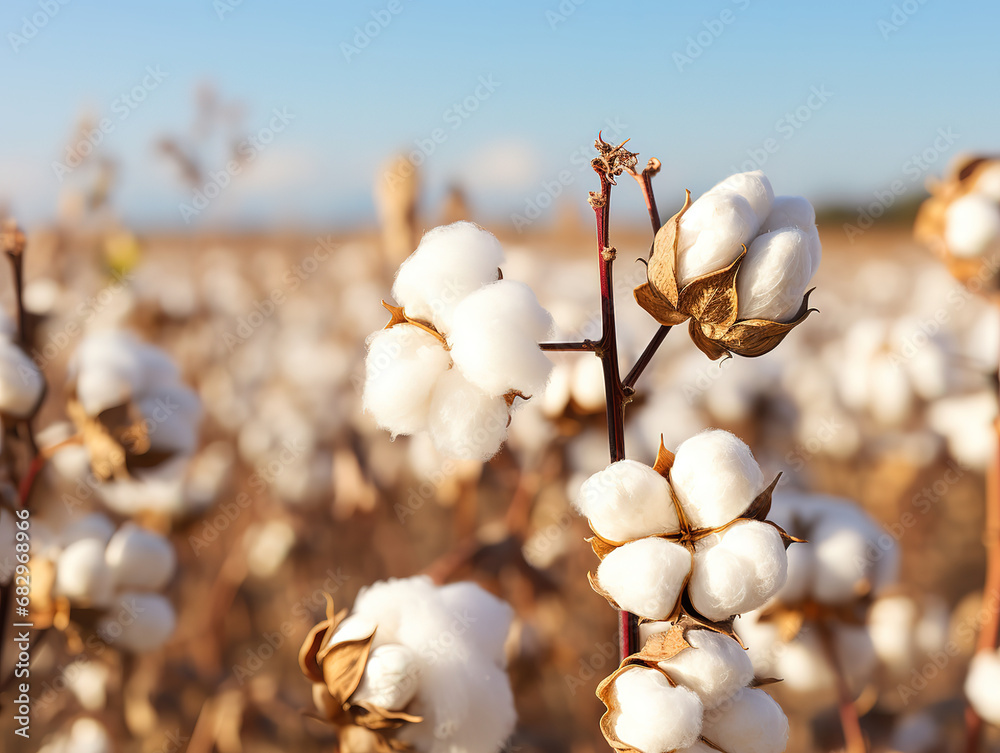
(752, 722)
(401, 369)
(138, 622)
(108, 370)
(737, 570)
(645, 577)
(752, 186)
(789, 211)
(451, 262)
(715, 667)
(390, 678)
(21, 383)
(772, 278)
(711, 234)
(494, 339)
(715, 477)
(140, 559)
(464, 421)
(82, 575)
(654, 716)
(981, 685)
(972, 226)
(491, 616)
(627, 500)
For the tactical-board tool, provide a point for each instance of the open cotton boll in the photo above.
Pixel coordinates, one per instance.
(450, 262)
(139, 558)
(715, 477)
(972, 226)
(715, 667)
(390, 678)
(981, 685)
(492, 616)
(138, 622)
(402, 366)
(752, 186)
(494, 339)
(789, 211)
(21, 383)
(655, 717)
(645, 577)
(627, 500)
(711, 233)
(464, 421)
(772, 278)
(82, 575)
(737, 570)
(752, 722)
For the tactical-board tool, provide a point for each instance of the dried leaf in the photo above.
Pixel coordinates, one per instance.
(602, 547)
(711, 298)
(755, 337)
(373, 717)
(664, 460)
(761, 505)
(310, 648)
(663, 646)
(658, 306)
(759, 682)
(709, 347)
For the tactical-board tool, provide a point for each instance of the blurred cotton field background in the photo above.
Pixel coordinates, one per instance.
(215, 198)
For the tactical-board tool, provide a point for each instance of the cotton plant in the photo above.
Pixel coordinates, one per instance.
(734, 264)
(688, 533)
(414, 666)
(813, 632)
(460, 348)
(110, 578)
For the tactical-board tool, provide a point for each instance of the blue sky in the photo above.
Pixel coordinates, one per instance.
(832, 99)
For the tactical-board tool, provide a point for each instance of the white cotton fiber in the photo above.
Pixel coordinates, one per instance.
(402, 367)
(843, 560)
(82, 575)
(737, 570)
(982, 685)
(715, 667)
(627, 500)
(796, 211)
(172, 415)
(587, 384)
(21, 383)
(715, 477)
(752, 186)
(752, 722)
(108, 370)
(655, 717)
(390, 678)
(972, 226)
(138, 622)
(645, 577)
(451, 262)
(464, 421)
(772, 278)
(711, 233)
(139, 558)
(490, 615)
(494, 339)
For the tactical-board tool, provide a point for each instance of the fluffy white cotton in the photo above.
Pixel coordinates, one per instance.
(972, 225)
(752, 186)
(796, 211)
(982, 685)
(402, 367)
(172, 414)
(843, 560)
(494, 339)
(390, 678)
(82, 575)
(21, 383)
(95, 525)
(111, 367)
(655, 717)
(645, 577)
(450, 262)
(627, 500)
(138, 622)
(715, 667)
(464, 421)
(737, 570)
(752, 722)
(772, 278)
(711, 233)
(463, 693)
(715, 477)
(492, 616)
(139, 558)
(587, 384)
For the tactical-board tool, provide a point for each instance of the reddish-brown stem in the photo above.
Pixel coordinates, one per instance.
(850, 722)
(990, 631)
(581, 346)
